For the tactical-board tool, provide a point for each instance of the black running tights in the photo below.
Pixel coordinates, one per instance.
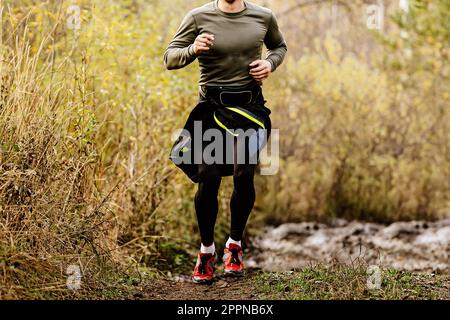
(242, 200)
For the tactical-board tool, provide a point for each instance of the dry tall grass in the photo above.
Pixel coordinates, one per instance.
(52, 210)
(86, 120)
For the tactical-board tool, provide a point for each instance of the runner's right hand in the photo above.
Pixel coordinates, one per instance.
(203, 43)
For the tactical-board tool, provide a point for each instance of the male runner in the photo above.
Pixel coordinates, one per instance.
(226, 36)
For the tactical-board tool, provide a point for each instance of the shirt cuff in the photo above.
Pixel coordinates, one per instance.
(191, 50)
(272, 64)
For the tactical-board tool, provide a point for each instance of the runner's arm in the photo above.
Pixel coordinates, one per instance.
(180, 51)
(275, 44)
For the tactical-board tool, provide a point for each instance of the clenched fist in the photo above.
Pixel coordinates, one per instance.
(260, 69)
(203, 43)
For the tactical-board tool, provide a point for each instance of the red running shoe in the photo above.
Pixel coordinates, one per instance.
(204, 269)
(232, 258)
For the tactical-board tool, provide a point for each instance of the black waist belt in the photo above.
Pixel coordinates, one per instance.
(237, 107)
(227, 96)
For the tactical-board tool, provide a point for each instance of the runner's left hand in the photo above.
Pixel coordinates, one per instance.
(260, 69)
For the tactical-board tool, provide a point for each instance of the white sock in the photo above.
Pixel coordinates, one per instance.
(211, 249)
(229, 241)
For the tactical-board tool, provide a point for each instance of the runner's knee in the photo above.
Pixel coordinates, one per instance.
(243, 177)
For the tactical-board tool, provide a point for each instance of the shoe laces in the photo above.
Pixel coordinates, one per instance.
(204, 259)
(235, 256)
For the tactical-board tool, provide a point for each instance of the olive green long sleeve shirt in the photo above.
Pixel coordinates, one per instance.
(238, 41)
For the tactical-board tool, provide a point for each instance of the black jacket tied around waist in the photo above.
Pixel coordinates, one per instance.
(226, 109)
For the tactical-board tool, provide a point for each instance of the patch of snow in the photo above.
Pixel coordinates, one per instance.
(415, 245)
(440, 237)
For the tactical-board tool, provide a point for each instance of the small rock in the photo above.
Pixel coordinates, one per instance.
(222, 284)
(181, 278)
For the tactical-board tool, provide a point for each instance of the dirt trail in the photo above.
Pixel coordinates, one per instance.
(416, 246)
(223, 287)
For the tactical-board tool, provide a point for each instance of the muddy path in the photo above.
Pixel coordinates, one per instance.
(416, 246)
(278, 258)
